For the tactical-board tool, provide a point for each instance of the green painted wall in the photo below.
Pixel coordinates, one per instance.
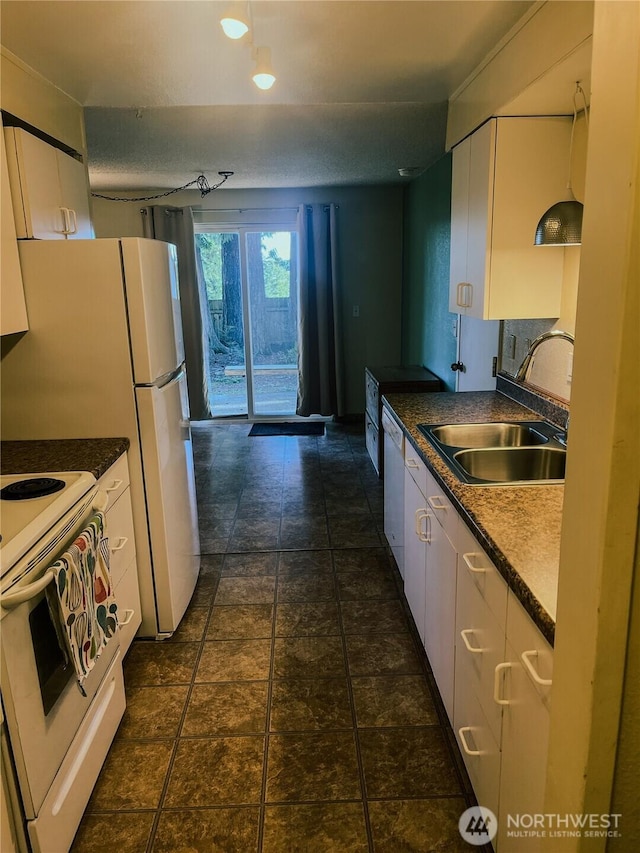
(428, 336)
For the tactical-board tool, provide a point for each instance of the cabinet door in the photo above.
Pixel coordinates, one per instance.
(478, 343)
(74, 194)
(394, 498)
(481, 174)
(440, 609)
(415, 527)
(526, 690)
(459, 223)
(13, 317)
(35, 186)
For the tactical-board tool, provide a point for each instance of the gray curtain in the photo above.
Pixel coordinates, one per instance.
(320, 362)
(175, 225)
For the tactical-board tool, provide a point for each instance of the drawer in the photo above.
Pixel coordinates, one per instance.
(533, 651)
(122, 544)
(415, 466)
(473, 562)
(372, 395)
(479, 748)
(115, 480)
(127, 596)
(480, 647)
(373, 441)
(442, 507)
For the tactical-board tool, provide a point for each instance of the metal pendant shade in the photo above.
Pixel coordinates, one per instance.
(561, 225)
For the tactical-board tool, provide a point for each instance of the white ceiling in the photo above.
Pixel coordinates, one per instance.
(361, 89)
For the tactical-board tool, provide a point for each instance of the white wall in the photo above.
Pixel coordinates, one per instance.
(370, 251)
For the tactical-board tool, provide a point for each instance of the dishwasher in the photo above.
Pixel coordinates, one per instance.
(394, 488)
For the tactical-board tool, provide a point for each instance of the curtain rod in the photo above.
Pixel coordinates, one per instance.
(249, 209)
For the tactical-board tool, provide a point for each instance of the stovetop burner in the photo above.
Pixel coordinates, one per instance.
(34, 487)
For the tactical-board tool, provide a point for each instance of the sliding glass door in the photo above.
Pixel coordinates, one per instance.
(251, 277)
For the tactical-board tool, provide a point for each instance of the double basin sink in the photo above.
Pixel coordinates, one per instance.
(501, 454)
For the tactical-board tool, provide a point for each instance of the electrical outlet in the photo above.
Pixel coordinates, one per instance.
(356, 310)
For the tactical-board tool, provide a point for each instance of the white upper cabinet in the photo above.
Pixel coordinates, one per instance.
(505, 176)
(48, 189)
(13, 316)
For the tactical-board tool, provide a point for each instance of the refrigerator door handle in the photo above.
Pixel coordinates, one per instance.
(166, 378)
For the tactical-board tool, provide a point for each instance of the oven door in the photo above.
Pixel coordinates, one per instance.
(43, 704)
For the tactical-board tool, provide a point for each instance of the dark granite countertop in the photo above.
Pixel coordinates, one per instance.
(96, 455)
(518, 526)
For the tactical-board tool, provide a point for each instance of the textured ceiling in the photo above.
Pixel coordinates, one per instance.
(361, 87)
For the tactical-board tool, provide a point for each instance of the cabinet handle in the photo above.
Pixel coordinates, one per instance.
(122, 541)
(73, 221)
(462, 733)
(478, 570)
(411, 463)
(436, 503)
(497, 695)
(473, 649)
(65, 220)
(464, 287)
(426, 536)
(128, 616)
(525, 656)
(114, 486)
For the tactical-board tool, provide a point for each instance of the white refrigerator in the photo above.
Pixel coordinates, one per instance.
(104, 357)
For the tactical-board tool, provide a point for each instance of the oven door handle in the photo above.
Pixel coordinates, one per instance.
(13, 599)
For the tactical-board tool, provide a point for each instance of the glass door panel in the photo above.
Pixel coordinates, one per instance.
(273, 305)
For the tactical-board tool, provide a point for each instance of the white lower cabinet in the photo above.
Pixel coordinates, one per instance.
(122, 550)
(415, 550)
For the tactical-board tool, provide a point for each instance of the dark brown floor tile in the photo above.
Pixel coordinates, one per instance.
(415, 826)
(307, 619)
(216, 771)
(396, 700)
(355, 586)
(250, 534)
(373, 617)
(263, 508)
(382, 654)
(362, 560)
(204, 593)
(240, 621)
(216, 709)
(192, 625)
(235, 660)
(304, 532)
(307, 587)
(133, 775)
(223, 830)
(149, 663)
(259, 590)
(293, 562)
(308, 657)
(213, 527)
(153, 712)
(407, 762)
(249, 565)
(312, 766)
(338, 506)
(353, 532)
(308, 705)
(316, 828)
(126, 832)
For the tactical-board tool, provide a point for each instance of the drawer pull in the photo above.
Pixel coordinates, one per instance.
(114, 486)
(463, 733)
(497, 681)
(469, 647)
(411, 463)
(544, 682)
(122, 541)
(128, 616)
(467, 561)
(436, 502)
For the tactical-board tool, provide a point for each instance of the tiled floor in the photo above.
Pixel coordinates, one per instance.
(293, 710)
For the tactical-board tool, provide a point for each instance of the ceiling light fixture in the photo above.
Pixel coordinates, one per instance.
(235, 21)
(561, 225)
(263, 76)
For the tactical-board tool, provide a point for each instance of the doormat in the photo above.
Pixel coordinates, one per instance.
(313, 428)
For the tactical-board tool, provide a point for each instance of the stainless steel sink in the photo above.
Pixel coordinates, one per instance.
(488, 435)
(500, 453)
(513, 464)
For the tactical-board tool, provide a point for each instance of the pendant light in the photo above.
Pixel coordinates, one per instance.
(561, 225)
(235, 21)
(263, 76)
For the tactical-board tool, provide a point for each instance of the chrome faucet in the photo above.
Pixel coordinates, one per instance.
(521, 373)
